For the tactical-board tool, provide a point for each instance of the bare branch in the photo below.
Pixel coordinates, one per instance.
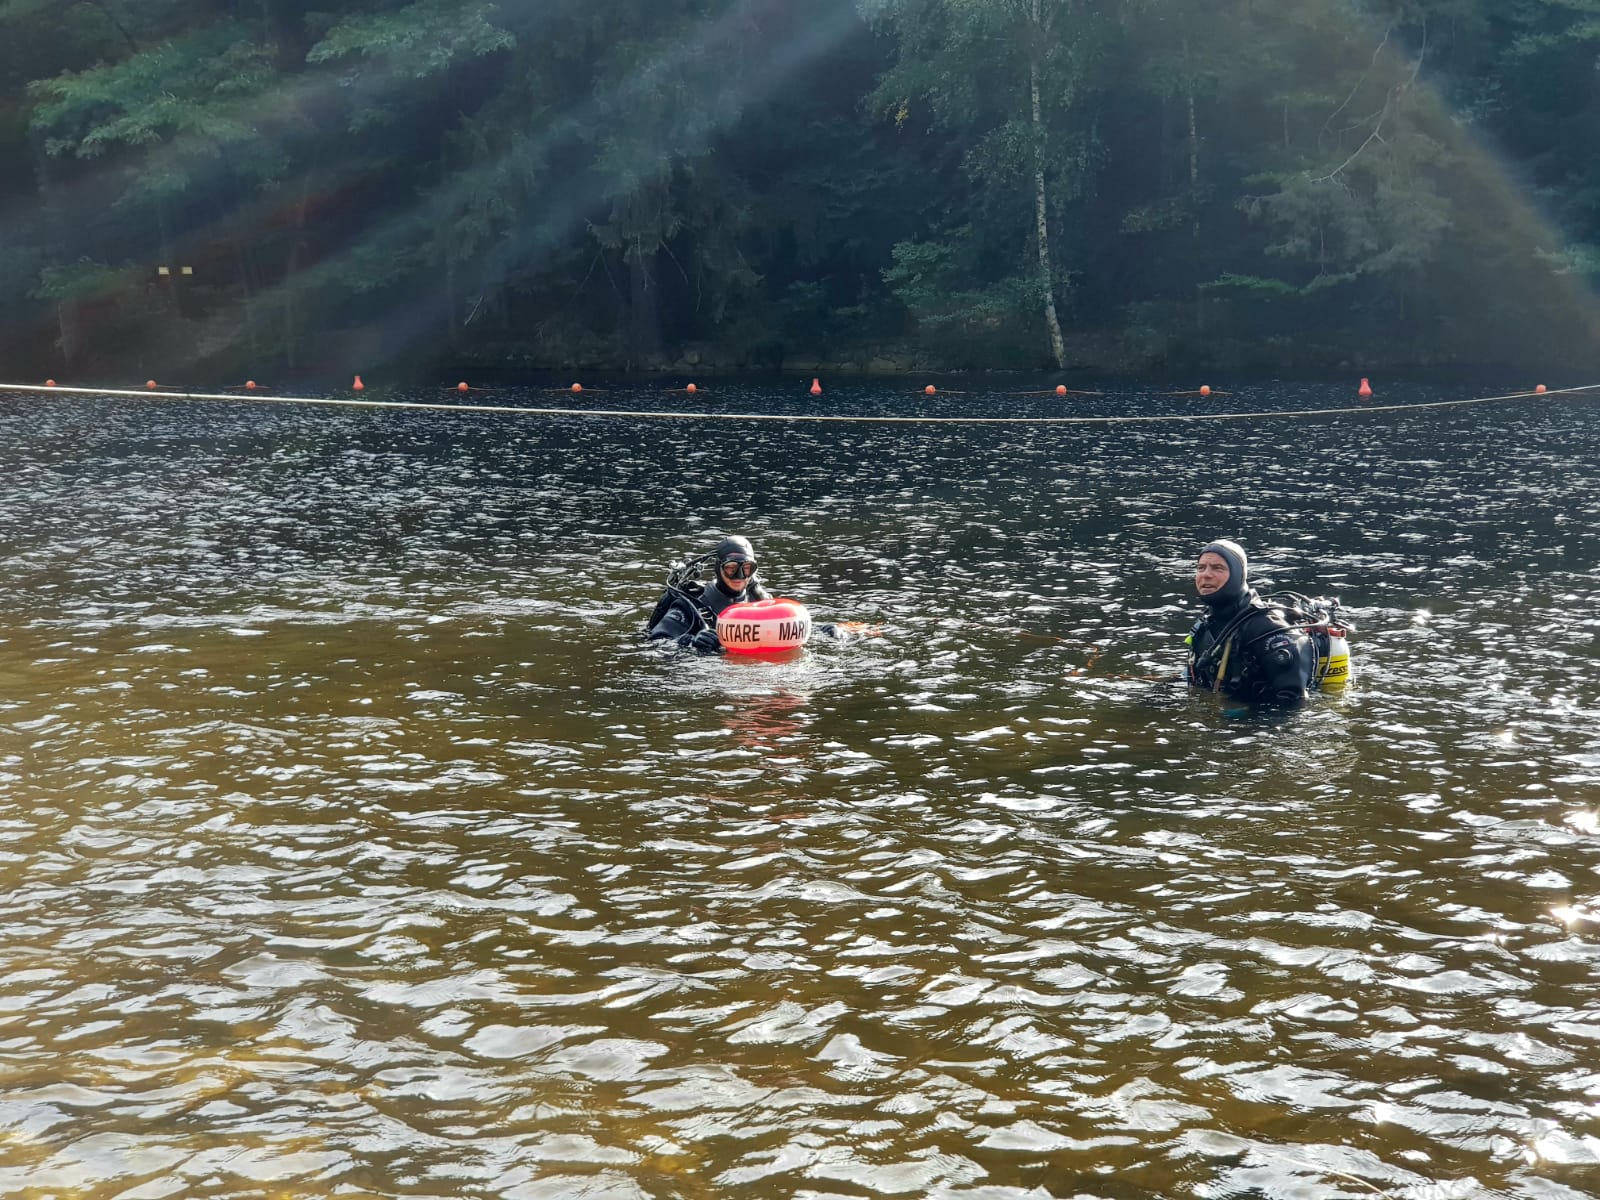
(1360, 81)
(1400, 89)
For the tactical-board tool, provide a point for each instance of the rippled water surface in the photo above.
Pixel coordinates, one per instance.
(354, 844)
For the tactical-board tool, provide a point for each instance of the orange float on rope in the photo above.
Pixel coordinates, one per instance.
(1365, 390)
(249, 385)
(358, 386)
(816, 387)
(764, 626)
(690, 389)
(462, 386)
(49, 383)
(930, 390)
(1061, 389)
(1541, 389)
(576, 388)
(1205, 389)
(151, 384)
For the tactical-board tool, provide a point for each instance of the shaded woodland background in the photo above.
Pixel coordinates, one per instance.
(208, 188)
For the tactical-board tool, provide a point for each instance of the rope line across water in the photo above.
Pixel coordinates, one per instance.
(647, 414)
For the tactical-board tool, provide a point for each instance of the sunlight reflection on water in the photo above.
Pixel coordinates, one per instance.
(355, 844)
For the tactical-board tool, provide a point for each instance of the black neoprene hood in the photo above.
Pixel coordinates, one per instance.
(733, 547)
(1238, 571)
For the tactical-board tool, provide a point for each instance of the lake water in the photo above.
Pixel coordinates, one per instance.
(353, 843)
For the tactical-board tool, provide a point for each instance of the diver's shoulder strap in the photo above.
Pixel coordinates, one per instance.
(688, 604)
(694, 595)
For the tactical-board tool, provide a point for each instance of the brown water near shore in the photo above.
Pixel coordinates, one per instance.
(354, 844)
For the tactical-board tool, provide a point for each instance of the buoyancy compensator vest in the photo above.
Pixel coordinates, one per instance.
(1328, 627)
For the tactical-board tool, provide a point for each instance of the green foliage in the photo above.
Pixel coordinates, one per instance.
(198, 88)
(416, 41)
(925, 274)
(989, 324)
(1017, 82)
(1253, 286)
(1159, 216)
(493, 170)
(81, 280)
(24, 10)
(1581, 259)
(773, 181)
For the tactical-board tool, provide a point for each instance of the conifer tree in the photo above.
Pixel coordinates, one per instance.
(1011, 79)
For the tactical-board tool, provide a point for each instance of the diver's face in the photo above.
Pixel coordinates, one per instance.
(1211, 573)
(735, 572)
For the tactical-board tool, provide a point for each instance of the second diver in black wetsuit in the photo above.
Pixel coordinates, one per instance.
(1242, 646)
(687, 611)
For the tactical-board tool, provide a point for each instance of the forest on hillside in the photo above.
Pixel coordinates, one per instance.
(202, 187)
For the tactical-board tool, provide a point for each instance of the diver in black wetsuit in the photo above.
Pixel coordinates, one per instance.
(687, 611)
(1244, 647)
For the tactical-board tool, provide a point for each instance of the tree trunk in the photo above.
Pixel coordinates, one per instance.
(646, 331)
(1194, 199)
(165, 255)
(69, 314)
(1194, 208)
(1194, 148)
(451, 313)
(1194, 152)
(291, 268)
(286, 35)
(1164, 150)
(1058, 348)
(71, 341)
(289, 362)
(248, 304)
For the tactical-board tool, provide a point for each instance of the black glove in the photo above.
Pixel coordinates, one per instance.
(703, 642)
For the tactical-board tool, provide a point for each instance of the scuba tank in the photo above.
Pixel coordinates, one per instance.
(1333, 659)
(1325, 625)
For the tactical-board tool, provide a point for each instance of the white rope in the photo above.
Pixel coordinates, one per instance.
(256, 398)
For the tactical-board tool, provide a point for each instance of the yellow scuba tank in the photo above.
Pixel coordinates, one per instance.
(1333, 660)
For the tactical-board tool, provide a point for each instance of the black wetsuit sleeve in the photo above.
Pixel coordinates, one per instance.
(678, 619)
(674, 617)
